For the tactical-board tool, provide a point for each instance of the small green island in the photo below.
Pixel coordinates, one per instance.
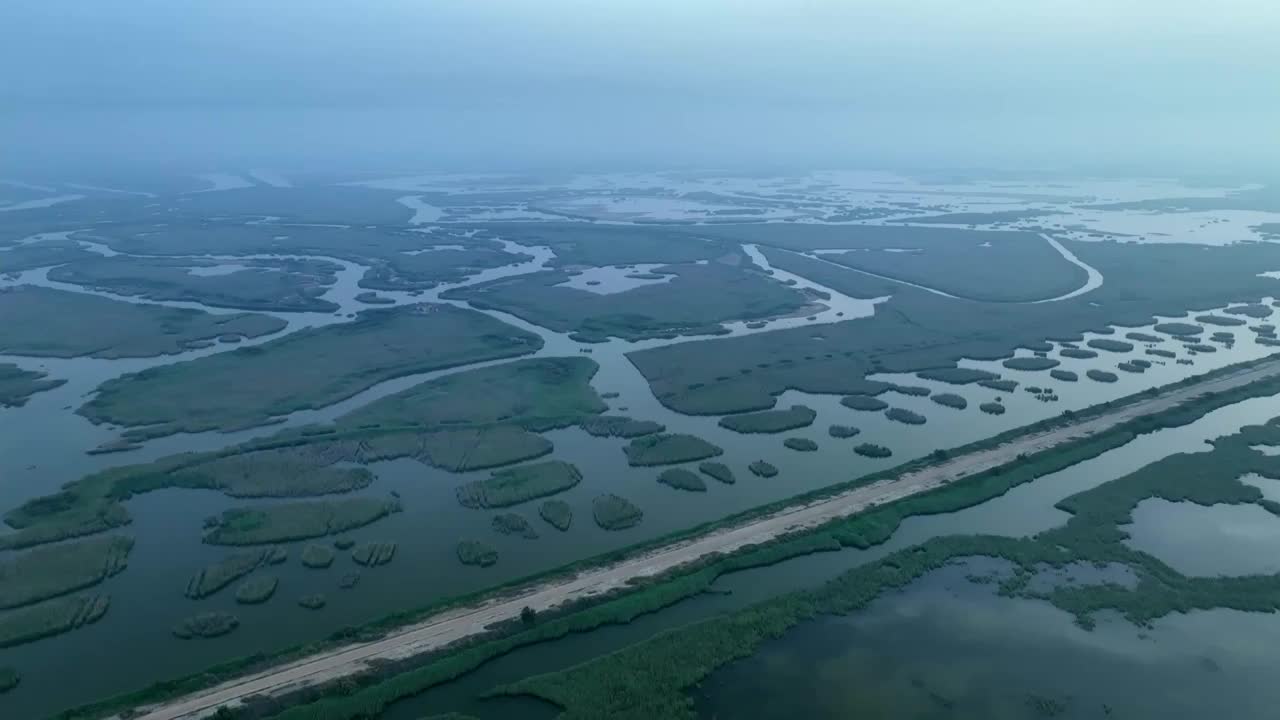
(613, 512)
(682, 479)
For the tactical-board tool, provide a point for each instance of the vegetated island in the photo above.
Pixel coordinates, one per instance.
(872, 450)
(800, 444)
(42, 322)
(557, 513)
(474, 552)
(317, 556)
(48, 572)
(1104, 376)
(907, 417)
(257, 590)
(1178, 328)
(51, 617)
(865, 403)
(222, 573)
(992, 408)
(206, 625)
(519, 484)
(1116, 346)
(669, 449)
(315, 601)
(842, 431)
(309, 369)
(1001, 385)
(514, 524)
(18, 385)
(682, 479)
(770, 421)
(763, 469)
(373, 554)
(1064, 375)
(618, 426)
(717, 471)
(950, 400)
(612, 512)
(1030, 363)
(957, 375)
(297, 521)
(1078, 353)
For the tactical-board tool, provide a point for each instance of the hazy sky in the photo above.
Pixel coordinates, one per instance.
(568, 83)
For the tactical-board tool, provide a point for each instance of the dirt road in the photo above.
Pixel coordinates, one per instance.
(448, 627)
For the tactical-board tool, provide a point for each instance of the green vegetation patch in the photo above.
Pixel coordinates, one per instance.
(761, 468)
(907, 417)
(291, 285)
(48, 572)
(1102, 375)
(557, 513)
(958, 375)
(842, 431)
(285, 522)
(1117, 346)
(1030, 363)
(922, 391)
(43, 322)
(914, 331)
(519, 484)
(514, 524)
(695, 301)
(481, 448)
(473, 552)
(622, 427)
(771, 421)
(309, 369)
(1178, 328)
(1001, 385)
(950, 400)
(873, 450)
(800, 444)
(286, 472)
(18, 385)
(669, 449)
(373, 554)
(317, 556)
(257, 590)
(992, 408)
(1221, 320)
(613, 512)
(52, 617)
(206, 625)
(1201, 348)
(1064, 375)
(1158, 352)
(864, 403)
(1131, 367)
(314, 601)
(717, 471)
(1144, 337)
(1253, 310)
(682, 479)
(536, 394)
(1077, 353)
(222, 573)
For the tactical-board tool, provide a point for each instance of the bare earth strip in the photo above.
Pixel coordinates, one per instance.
(448, 627)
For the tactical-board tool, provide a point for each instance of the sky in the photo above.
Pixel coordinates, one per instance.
(574, 84)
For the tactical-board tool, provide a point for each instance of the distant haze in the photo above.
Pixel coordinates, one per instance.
(1152, 85)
